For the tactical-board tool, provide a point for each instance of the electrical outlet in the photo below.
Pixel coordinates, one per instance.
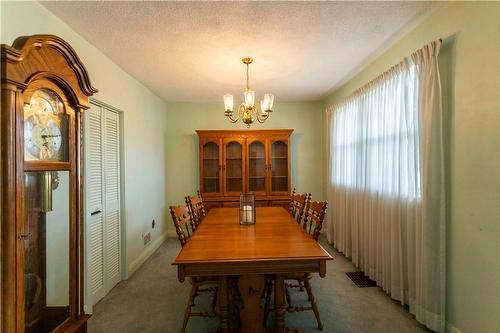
(147, 238)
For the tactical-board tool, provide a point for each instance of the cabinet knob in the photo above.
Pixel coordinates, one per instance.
(25, 236)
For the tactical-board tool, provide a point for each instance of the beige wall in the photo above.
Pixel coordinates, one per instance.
(144, 125)
(184, 118)
(161, 163)
(470, 74)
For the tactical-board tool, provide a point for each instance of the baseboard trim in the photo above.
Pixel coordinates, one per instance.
(148, 251)
(171, 234)
(451, 329)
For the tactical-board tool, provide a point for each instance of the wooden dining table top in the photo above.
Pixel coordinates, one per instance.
(275, 236)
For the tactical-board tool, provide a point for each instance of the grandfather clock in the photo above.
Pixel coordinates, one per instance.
(45, 89)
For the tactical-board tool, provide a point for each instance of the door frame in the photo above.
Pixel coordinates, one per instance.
(88, 308)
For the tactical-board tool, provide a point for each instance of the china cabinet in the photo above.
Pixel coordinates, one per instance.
(247, 161)
(45, 88)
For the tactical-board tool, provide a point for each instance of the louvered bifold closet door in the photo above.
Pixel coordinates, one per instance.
(94, 205)
(102, 185)
(112, 198)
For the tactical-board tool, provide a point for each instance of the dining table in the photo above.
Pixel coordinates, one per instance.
(275, 245)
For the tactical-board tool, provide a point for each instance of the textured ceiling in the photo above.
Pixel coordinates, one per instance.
(191, 51)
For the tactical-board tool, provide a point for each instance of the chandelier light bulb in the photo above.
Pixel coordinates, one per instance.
(268, 101)
(249, 98)
(263, 106)
(228, 102)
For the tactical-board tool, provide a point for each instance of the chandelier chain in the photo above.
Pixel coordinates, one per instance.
(247, 77)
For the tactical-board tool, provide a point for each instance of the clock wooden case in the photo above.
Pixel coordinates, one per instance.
(45, 89)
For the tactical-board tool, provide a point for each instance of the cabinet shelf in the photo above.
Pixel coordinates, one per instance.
(210, 158)
(257, 158)
(279, 157)
(256, 177)
(279, 176)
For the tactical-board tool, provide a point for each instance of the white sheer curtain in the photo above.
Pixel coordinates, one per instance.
(386, 183)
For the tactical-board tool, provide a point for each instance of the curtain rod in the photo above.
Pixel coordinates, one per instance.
(378, 77)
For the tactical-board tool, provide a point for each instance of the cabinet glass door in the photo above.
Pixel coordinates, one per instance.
(233, 168)
(257, 167)
(210, 176)
(279, 166)
(46, 237)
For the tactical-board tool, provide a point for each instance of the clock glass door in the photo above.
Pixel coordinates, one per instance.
(257, 167)
(45, 128)
(46, 241)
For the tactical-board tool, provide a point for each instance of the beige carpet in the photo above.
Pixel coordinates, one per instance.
(152, 300)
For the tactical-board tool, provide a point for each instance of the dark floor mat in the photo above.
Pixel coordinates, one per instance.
(361, 280)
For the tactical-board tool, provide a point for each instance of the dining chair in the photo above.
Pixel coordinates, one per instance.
(198, 193)
(314, 215)
(185, 227)
(196, 207)
(312, 223)
(298, 203)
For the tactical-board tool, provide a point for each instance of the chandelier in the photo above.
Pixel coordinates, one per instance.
(247, 110)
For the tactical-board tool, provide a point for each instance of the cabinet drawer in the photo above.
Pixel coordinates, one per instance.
(210, 205)
(262, 203)
(284, 204)
(231, 204)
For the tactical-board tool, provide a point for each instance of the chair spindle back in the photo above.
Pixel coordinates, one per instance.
(313, 218)
(183, 222)
(196, 207)
(298, 203)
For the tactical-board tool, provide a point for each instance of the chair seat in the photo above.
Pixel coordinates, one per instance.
(204, 279)
(297, 276)
(292, 276)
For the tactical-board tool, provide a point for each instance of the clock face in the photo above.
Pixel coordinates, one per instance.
(44, 121)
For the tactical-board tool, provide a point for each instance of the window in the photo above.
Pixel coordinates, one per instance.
(374, 138)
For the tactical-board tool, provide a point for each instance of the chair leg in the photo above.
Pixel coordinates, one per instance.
(234, 297)
(307, 285)
(287, 297)
(187, 312)
(269, 289)
(214, 301)
(195, 295)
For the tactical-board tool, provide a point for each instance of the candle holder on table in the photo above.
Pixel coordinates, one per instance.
(247, 208)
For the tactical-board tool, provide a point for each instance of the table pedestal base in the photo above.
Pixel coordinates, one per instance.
(251, 316)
